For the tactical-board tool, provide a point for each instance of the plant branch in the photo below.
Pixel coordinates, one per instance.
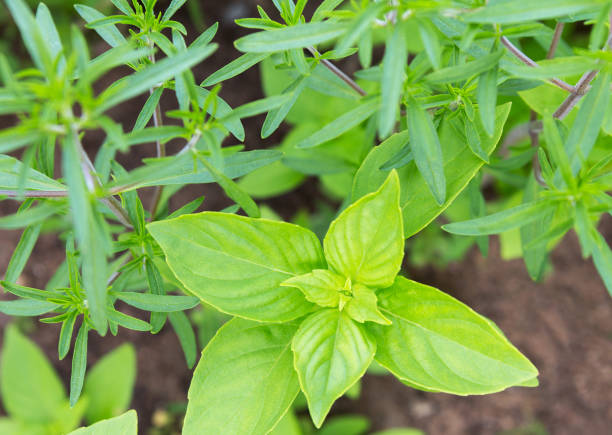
(93, 183)
(160, 149)
(581, 88)
(529, 62)
(35, 193)
(337, 71)
(555, 40)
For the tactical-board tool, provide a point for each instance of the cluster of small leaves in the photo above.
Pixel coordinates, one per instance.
(307, 318)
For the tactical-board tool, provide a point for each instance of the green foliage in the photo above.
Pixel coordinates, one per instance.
(334, 344)
(455, 105)
(34, 396)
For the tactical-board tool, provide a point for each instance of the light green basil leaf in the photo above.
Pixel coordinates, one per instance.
(298, 36)
(332, 352)
(321, 286)
(109, 384)
(504, 220)
(602, 257)
(31, 390)
(460, 166)
(125, 424)
(426, 149)
(436, 343)
(362, 306)
(242, 275)
(516, 11)
(248, 394)
(366, 243)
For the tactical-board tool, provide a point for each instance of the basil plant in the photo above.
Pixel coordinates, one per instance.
(312, 319)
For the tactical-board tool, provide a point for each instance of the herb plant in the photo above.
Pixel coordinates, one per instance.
(417, 133)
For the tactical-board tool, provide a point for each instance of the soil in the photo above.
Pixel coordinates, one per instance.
(563, 325)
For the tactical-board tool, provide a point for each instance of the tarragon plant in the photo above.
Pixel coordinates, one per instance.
(413, 136)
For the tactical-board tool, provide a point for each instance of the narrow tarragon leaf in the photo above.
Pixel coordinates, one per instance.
(359, 25)
(109, 33)
(125, 424)
(65, 338)
(79, 364)
(184, 331)
(486, 95)
(153, 75)
(516, 11)
(242, 274)
(234, 68)
(182, 170)
(504, 220)
(276, 116)
(31, 390)
(392, 81)
(426, 149)
(418, 205)
(287, 38)
(157, 302)
(366, 243)
(245, 381)
(458, 73)
(436, 343)
(341, 125)
(332, 352)
(22, 252)
(90, 235)
(26, 307)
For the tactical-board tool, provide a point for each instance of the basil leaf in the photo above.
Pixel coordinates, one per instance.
(31, 390)
(438, 344)
(109, 384)
(359, 247)
(125, 424)
(332, 352)
(460, 166)
(222, 395)
(319, 286)
(242, 275)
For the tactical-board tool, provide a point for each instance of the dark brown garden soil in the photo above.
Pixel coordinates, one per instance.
(564, 325)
